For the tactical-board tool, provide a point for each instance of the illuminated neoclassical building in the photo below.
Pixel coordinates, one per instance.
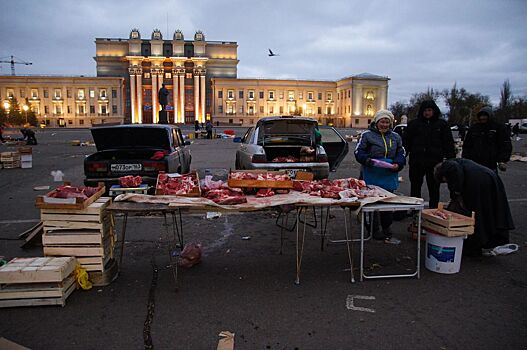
(201, 77)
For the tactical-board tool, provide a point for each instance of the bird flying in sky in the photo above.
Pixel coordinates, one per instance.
(271, 53)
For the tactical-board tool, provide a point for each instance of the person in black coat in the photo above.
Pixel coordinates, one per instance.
(475, 188)
(487, 142)
(428, 141)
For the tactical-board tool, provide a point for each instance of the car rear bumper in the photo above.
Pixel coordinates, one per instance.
(109, 181)
(319, 170)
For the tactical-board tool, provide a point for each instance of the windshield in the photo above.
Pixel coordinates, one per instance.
(286, 132)
(119, 138)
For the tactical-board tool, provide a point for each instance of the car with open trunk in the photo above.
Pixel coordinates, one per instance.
(291, 144)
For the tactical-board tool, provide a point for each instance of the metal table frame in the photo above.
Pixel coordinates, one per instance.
(378, 207)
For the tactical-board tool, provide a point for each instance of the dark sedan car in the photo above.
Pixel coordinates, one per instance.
(143, 149)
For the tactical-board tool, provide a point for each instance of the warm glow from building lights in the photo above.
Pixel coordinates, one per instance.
(6, 105)
(25, 108)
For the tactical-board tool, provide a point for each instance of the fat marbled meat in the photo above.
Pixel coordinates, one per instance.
(66, 191)
(178, 185)
(130, 181)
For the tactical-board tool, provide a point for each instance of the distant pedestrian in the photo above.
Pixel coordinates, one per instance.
(196, 129)
(208, 128)
(2, 134)
(487, 142)
(462, 131)
(29, 136)
(428, 141)
(515, 130)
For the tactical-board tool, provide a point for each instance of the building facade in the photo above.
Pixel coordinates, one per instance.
(201, 77)
(185, 67)
(60, 101)
(349, 102)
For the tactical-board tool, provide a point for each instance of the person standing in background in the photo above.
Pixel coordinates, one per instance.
(428, 141)
(487, 142)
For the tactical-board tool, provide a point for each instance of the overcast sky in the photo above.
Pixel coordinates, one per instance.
(416, 43)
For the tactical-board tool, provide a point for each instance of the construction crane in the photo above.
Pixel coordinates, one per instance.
(13, 62)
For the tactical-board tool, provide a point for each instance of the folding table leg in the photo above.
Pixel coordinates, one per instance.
(323, 226)
(123, 234)
(299, 249)
(350, 253)
(362, 246)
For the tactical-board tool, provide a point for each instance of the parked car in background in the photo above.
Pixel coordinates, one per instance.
(523, 126)
(290, 143)
(140, 149)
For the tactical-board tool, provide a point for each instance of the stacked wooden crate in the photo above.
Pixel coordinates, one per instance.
(26, 157)
(37, 281)
(87, 234)
(10, 160)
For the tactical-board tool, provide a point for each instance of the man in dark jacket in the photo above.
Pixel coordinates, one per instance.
(428, 141)
(487, 142)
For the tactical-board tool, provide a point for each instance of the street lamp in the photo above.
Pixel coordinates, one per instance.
(25, 108)
(7, 105)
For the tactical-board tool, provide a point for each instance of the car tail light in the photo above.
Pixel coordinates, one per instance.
(259, 158)
(322, 158)
(154, 166)
(97, 167)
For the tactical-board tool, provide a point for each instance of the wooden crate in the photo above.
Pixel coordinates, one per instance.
(196, 192)
(87, 234)
(37, 294)
(46, 202)
(260, 183)
(9, 156)
(11, 165)
(35, 270)
(456, 224)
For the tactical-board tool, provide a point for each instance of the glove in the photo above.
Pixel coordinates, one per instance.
(369, 162)
(502, 166)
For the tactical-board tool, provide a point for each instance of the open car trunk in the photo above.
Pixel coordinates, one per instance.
(335, 146)
(290, 154)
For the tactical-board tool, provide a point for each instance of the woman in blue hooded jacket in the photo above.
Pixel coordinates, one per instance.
(381, 143)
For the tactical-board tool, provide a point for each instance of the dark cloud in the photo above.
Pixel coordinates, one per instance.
(418, 44)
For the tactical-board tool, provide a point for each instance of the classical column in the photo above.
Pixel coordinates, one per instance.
(139, 77)
(154, 97)
(196, 95)
(203, 90)
(182, 96)
(175, 95)
(160, 76)
(132, 95)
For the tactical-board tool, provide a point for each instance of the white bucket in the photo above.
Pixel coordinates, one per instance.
(443, 254)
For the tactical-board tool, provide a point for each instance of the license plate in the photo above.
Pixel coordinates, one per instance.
(125, 167)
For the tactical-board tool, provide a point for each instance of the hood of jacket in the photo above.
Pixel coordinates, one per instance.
(488, 111)
(429, 104)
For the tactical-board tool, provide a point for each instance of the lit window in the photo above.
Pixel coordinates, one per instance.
(102, 93)
(92, 93)
(10, 93)
(168, 75)
(230, 94)
(147, 75)
(34, 93)
(291, 95)
(57, 93)
(80, 94)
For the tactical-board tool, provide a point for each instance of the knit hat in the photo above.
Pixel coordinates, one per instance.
(383, 113)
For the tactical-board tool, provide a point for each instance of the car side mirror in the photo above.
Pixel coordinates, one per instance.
(187, 143)
(237, 140)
